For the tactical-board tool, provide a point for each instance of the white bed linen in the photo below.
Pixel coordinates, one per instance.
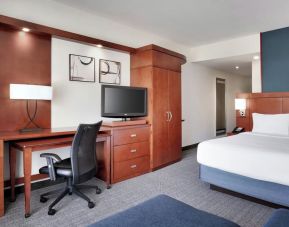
(259, 156)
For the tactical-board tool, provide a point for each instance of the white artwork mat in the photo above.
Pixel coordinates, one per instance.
(81, 68)
(109, 72)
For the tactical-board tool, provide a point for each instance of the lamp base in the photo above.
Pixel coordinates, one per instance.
(27, 130)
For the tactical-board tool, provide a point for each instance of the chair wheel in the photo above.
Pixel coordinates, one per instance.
(91, 205)
(51, 211)
(27, 215)
(43, 199)
(98, 191)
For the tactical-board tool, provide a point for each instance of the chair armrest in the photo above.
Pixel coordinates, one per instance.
(50, 164)
(55, 157)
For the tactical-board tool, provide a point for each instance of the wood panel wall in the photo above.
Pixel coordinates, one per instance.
(264, 103)
(25, 59)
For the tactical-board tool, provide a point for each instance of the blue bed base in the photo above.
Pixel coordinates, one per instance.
(268, 191)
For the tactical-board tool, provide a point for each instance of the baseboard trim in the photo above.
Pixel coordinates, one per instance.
(190, 147)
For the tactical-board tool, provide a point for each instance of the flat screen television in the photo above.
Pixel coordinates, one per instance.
(123, 102)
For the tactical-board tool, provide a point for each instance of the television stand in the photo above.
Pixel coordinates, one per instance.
(124, 122)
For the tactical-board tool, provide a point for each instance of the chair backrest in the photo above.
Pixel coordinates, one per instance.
(83, 152)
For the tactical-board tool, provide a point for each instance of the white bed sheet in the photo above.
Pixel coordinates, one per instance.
(259, 156)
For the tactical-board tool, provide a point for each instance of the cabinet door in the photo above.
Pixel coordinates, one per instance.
(160, 117)
(175, 123)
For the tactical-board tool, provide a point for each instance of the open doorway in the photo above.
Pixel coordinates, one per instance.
(220, 107)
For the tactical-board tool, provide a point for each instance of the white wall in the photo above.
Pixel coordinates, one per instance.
(227, 48)
(256, 76)
(79, 102)
(199, 101)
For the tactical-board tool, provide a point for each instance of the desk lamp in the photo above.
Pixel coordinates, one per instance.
(30, 93)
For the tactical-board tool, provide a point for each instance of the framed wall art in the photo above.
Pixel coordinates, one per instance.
(81, 68)
(109, 72)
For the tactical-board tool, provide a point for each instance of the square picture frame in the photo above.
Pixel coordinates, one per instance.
(109, 72)
(81, 68)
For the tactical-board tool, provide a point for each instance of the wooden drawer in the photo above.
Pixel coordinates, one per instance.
(130, 151)
(130, 168)
(132, 135)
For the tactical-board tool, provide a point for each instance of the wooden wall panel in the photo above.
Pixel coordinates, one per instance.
(244, 122)
(266, 105)
(285, 105)
(25, 58)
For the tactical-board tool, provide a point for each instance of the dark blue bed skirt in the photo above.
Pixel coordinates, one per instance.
(268, 191)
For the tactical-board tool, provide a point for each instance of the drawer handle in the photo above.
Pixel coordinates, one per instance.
(133, 135)
(133, 150)
(133, 166)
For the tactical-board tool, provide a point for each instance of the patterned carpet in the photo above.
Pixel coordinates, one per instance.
(179, 181)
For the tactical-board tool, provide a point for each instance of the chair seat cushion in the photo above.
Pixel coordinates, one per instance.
(279, 218)
(163, 211)
(63, 164)
(62, 168)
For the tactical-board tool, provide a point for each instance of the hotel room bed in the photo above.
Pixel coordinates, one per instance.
(253, 164)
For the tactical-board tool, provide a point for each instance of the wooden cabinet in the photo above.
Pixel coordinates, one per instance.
(130, 151)
(159, 70)
(175, 123)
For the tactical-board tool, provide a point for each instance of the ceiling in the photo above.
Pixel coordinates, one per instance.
(192, 22)
(228, 64)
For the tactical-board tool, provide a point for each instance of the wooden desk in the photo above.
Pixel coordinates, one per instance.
(10, 137)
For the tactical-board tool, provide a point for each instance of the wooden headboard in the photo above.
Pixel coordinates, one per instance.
(265, 103)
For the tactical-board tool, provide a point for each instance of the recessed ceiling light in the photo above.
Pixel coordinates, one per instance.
(237, 67)
(99, 45)
(25, 29)
(256, 57)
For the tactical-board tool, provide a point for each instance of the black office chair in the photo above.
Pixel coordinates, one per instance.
(81, 167)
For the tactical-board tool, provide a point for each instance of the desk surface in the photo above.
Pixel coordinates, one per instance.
(16, 135)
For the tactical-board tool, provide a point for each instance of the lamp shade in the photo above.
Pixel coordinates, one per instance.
(27, 91)
(240, 104)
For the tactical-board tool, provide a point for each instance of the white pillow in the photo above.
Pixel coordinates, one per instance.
(277, 124)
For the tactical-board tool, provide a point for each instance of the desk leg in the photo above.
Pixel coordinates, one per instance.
(107, 152)
(12, 164)
(1, 178)
(27, 156)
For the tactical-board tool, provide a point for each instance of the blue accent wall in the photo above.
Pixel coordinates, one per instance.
(275, 60)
